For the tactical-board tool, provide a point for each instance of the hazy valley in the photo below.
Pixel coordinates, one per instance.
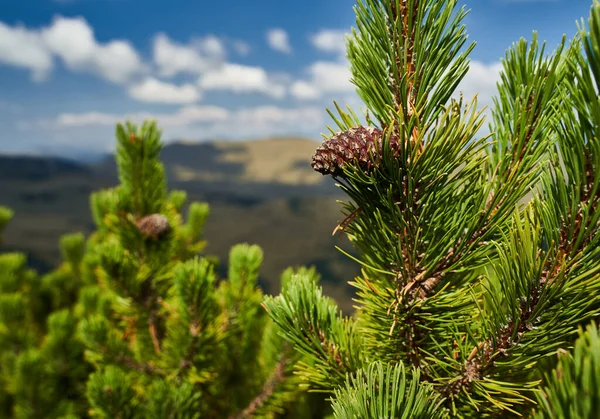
(261, 192)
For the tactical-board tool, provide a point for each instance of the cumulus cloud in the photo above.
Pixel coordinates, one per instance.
(330, 40)
(85, 119)
(24, 48)
(276, 115)
(304, 90)
(210, 45)
(172, 58)
(324, 77)
(278, 40)
(331, 76)
(261, 119)
(154, 90)
(184, 116)
(481, 80)
(241, 47)
(73, 41)
(190, 122)
(242, 79)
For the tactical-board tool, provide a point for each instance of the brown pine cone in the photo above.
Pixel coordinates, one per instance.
(356, 146)
(154, 225)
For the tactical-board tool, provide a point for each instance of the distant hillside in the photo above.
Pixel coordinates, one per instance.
(33, 168)
(283, 161)
(262, 169)
(262, 192)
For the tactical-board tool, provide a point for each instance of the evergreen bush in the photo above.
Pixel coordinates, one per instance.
(480, 254)
(135, 324)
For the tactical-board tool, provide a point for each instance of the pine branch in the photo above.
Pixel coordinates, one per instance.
(135, 365)
(572, 389)
(316, 329)
(432, 207)
(275, 379)
(392, 59)
(387, 392)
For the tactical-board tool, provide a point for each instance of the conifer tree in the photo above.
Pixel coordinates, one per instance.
(134, 323)
(480, 254)
(42, 369)
(172, 340)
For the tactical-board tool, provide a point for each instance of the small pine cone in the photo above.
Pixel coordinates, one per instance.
(354, 146)
(154, 225)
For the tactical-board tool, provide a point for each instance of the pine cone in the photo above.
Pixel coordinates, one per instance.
(154, 225)
(355, 146)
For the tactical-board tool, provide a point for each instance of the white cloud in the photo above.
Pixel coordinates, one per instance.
(73, 40)
(304, 90)
(197, 123)
(24, 48)
(241, 47)
(154, 90)
(184, 116)
(194, 114)
(242, 79)
(209, 45)
(331, 76)
(330, 40)
(274, 114)
(268, 121)
(481, 80)
(278, 40)
(172, 58)
(324, 77)
(85, 119)
(94, 131)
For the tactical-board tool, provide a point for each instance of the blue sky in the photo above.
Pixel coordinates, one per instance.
(70, 69)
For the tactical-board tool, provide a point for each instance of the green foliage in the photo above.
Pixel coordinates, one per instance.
(6, 214)
(387, 392)
(42, 369)
(480, 254)
(187, 342)
(480, 259)
(379, 67)
(572, 389)
(135, 323)
(111, 394)
(314, 325)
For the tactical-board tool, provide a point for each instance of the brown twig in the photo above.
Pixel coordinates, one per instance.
(138, 366)
(485, 353)
(277, 376)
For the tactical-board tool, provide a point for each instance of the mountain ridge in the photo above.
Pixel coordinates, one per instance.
(260, 191)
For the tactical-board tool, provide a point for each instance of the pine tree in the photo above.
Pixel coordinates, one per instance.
(173, 341)
(135, 323)
(42, 369)
(480, 254)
